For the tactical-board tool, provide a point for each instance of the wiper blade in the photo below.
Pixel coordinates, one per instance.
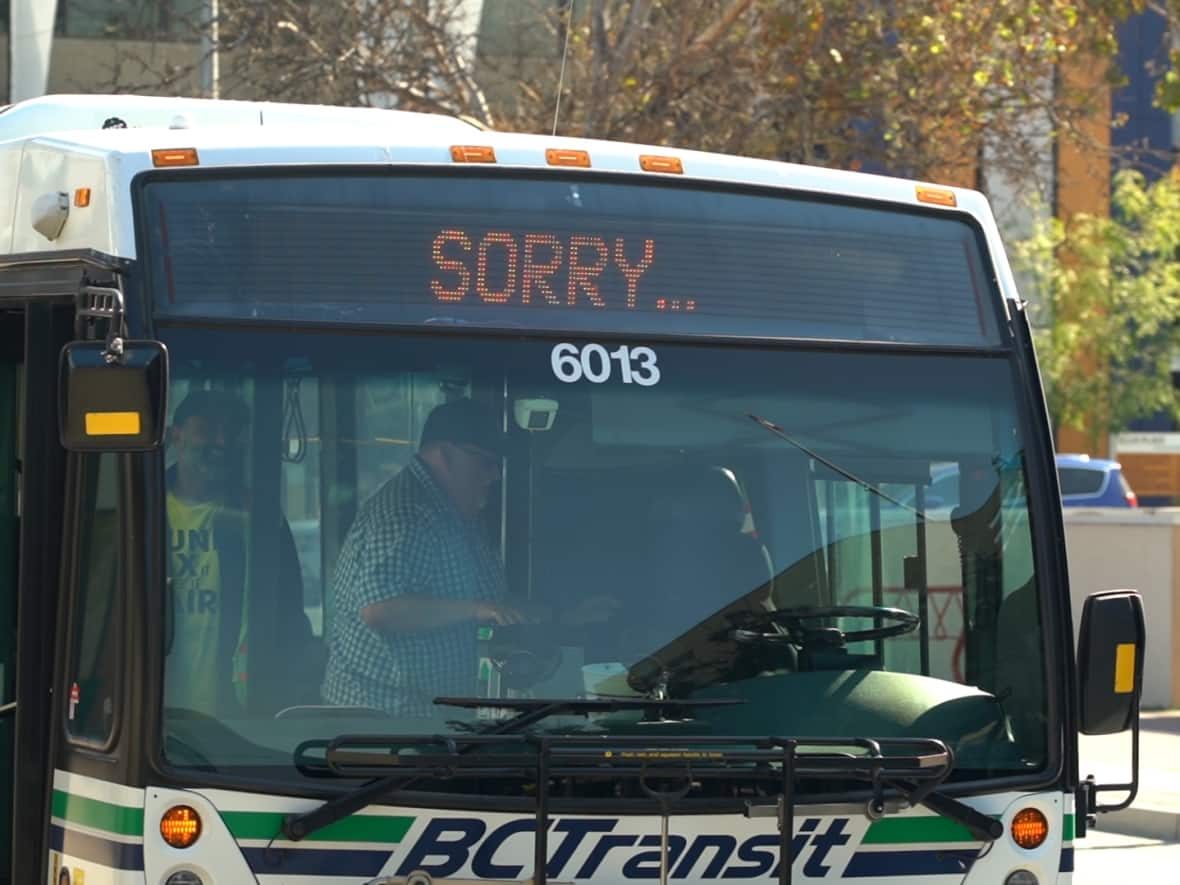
(533, 710)
(529, 712)
(981, 826)
(830, 464)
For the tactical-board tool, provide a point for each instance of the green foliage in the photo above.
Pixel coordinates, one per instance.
(1106, 307)
(914, 86)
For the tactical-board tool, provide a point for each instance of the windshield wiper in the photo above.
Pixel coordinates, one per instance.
(767, 424)
(529, 712)
(980, 825)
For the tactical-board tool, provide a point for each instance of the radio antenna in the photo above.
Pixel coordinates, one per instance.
(565, 49)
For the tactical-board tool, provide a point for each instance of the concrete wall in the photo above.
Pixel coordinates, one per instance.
(1112, 549)
(89, 65)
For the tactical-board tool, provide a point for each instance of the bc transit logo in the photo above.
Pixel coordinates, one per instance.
(582, 847)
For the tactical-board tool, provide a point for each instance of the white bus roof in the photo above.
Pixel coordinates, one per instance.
(66, 113)
(228, 135)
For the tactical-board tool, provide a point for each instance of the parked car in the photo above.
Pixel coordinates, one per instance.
(1084, 481)
(1093, 482)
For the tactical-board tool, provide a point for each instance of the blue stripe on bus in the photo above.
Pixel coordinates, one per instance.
(316, 861)
(97, 850)
(1066, 861)
(869, 864)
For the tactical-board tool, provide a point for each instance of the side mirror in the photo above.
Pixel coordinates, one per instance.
(113, 401)
(1110, 661)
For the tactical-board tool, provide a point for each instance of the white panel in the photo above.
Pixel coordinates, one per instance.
(9, 181)
(32, 38)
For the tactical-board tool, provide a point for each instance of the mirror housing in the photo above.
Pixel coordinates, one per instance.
(113, 400)
(1111, 642)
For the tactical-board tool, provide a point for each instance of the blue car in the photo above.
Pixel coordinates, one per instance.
(1084, 481)
(1093, 482)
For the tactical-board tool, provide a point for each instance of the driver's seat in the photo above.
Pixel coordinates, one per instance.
(703, 554)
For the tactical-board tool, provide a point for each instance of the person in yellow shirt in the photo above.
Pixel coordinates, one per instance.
(208, 539)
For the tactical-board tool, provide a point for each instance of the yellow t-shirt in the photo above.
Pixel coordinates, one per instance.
(191, 671)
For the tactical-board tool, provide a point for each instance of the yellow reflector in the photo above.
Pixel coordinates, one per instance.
(112, 423)
(82, 197)
(652, 163)
(471, 153)
(937, 196)
(564, 157)
(1030, 828)
(180, 826)
(175, 157)
(1124, 668)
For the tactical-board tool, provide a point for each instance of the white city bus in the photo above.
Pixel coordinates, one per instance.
(724, 384)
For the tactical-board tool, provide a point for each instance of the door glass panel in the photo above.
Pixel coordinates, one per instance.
(95, 625)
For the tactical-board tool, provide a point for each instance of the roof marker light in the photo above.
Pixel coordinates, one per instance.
(654, 163)
(937, 195)
(471, 153)
(567, 157)
(82, 197)
(175, 157)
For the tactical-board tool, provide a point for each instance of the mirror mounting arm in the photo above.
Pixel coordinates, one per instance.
(103, 303)
(1086, 798)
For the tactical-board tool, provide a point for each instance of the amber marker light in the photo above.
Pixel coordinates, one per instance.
(180, 826)
(472, 153)
(175, 157)
(564, 157)
(937, 195)
(82, 197)
(653, 163)
(1030, 828)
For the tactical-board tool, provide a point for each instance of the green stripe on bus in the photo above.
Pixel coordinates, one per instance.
(898, 830)
(356, 828)
(98, 815)
(1067, 829)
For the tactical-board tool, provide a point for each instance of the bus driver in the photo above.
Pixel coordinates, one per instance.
(416, 573)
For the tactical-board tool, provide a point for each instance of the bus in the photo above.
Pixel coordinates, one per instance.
(698, 622)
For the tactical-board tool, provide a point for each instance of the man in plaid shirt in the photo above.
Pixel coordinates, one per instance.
(416, 574)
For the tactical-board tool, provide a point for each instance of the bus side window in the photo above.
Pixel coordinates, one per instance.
(94, 627)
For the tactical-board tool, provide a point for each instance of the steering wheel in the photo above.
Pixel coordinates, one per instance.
(795, 630)
(525, 654)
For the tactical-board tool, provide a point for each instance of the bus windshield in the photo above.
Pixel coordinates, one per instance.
(838, 540)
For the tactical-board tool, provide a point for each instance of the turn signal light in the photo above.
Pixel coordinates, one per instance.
(1030, 828)
(180, 826)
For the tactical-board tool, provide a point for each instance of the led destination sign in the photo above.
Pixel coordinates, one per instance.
(579, 270)
(552, 254)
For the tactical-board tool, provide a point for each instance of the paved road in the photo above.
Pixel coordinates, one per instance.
(1156, 812)
(1106, 858)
